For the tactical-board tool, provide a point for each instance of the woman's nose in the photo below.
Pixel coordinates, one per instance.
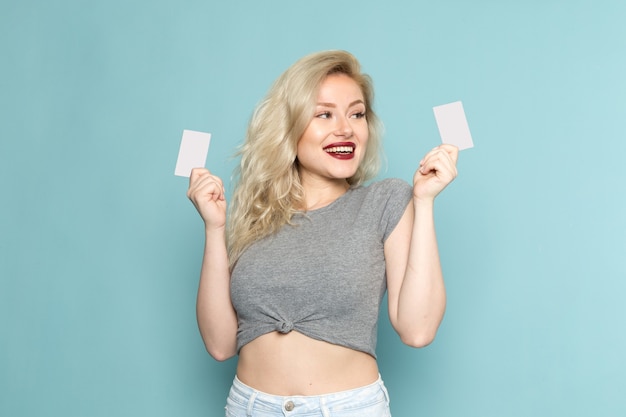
(344, 127)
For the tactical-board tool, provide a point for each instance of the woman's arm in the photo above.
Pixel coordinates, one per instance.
(216, 316)
(416, 290)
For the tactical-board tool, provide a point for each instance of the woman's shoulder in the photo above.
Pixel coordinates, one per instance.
(384, 201)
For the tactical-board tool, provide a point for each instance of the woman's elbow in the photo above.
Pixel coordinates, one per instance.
(220, 345)
(218, 349)
(220, 355)
(418, 339)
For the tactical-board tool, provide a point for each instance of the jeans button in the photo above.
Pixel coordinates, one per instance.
(289, 405)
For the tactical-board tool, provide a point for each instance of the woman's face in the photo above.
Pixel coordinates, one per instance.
(334, 143)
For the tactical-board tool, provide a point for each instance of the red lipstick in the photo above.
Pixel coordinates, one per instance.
(341, 150)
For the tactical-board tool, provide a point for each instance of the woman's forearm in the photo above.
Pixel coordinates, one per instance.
(216, 316)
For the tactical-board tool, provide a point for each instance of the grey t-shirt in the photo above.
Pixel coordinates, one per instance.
(324, 276)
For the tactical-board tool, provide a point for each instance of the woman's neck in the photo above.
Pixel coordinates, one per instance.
(319, 194)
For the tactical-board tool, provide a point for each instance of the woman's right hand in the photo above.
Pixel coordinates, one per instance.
(206, 192)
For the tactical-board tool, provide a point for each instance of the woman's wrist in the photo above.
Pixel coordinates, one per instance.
(423, 202)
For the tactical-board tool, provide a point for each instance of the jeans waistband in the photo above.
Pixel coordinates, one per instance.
(250, 398)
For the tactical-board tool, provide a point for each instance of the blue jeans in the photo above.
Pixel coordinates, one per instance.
(369, 401)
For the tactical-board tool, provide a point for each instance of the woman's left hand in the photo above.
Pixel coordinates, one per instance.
(437, 169)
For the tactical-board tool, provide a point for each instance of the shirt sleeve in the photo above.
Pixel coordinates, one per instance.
(397, 195)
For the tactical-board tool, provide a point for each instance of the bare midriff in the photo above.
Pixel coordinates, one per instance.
(294, 364)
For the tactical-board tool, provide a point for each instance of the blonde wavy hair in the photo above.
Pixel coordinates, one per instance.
(268, 190)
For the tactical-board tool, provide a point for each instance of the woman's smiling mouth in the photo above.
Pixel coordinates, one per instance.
(341, 150)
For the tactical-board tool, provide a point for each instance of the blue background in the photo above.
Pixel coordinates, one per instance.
(100, 249)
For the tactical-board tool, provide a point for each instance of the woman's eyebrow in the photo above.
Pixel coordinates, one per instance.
(355, 102)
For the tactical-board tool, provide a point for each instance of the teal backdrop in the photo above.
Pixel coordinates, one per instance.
(100, 249)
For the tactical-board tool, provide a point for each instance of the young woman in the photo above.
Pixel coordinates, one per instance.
(292, 283)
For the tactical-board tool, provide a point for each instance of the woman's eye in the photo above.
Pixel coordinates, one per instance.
(323, 115)
(359, 115)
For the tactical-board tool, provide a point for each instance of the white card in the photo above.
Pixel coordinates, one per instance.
(452, 124)
(194, 148)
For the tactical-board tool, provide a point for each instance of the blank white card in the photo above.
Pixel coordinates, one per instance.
(194, 147)
(452, 125)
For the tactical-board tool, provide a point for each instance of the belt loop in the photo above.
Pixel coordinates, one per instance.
(384, 388)
(325, 411)
(251, 403)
